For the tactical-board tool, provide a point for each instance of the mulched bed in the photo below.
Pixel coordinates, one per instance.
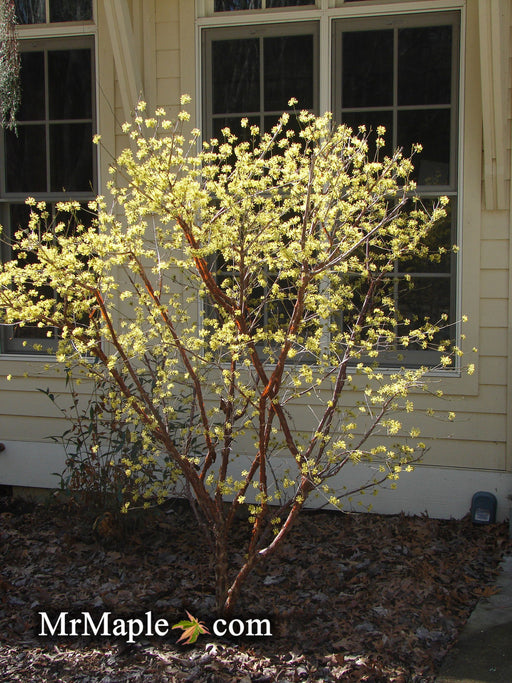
(351, 597)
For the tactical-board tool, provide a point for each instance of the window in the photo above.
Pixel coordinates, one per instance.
(253, 72)
(49, 11)
(51, 155)
(399, 70)
(234, 5)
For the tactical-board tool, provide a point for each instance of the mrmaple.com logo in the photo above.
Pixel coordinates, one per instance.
(108, 625)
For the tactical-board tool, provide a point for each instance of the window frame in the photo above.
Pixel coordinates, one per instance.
(331, 14)
(396, 22)
(50, 45)
(259, 31)
(47, 42)
(48, 22)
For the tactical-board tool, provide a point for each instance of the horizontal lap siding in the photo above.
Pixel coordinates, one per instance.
(480, 432)
(168, 77)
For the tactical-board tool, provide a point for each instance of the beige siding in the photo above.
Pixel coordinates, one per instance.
(493, 312)
(494, 254)
(478, 455)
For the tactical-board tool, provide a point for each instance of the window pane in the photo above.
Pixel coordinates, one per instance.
(19, 215)
(372, 120)
(424, 297)
(233, 124)
(293, 124)
(289, 3)
(431, 128)
(70, 84)
(19, 219)
(288, 71)
(30, 11)
(32, 106)
(70, 10)
(71, 157)
(424, 65)
(233, 5)
(25, 159)
(442, 235)
(235, 75)
(367, 77)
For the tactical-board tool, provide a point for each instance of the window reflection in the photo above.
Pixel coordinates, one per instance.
(30, 11)
(34, 11)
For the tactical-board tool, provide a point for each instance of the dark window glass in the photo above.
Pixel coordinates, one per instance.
(403, 78)
(233, 124)
(431, 128)
(19, 215)
(367, 64)
(69, 74)
(52, 150)
(372, 120)
(20, 339)
(32, 87)
(30, 11)
(236, 72)
(289, 3)
(70, 10)
(424, 297)
(70, 157)
(45, 156)
(424, 65)
(34, 11)
(25, 159)
(293, 124)
(288, 71)
(233, 5)
(442, 235)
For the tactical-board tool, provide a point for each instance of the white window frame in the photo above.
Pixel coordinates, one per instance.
(65, 33)
(260, 32)
(326, 13)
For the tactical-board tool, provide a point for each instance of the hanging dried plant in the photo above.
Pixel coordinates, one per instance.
(9, 65)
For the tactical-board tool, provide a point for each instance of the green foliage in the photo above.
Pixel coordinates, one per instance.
(104, 467)
(289, 241)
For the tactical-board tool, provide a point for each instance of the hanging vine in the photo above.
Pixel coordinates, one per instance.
(10, 93)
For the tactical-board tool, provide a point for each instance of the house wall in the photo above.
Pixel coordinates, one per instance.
(465, 455)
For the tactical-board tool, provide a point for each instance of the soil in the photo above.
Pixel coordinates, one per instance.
(351, 597)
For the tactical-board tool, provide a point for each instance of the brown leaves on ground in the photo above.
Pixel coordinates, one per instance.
(352, 597)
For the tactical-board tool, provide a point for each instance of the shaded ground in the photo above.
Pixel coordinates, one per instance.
(351, 597)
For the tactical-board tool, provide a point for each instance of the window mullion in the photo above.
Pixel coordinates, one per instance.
(262, 83)
(395, 88)
(47, 118)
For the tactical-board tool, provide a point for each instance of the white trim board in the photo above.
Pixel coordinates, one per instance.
(440, 492)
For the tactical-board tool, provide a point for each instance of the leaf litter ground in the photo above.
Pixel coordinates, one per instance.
(351, 597)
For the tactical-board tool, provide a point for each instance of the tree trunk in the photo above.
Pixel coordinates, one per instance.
(221, 572)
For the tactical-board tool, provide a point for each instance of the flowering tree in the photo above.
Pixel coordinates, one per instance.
(246, 279)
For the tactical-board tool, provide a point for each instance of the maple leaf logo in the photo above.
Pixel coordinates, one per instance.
(192, 629)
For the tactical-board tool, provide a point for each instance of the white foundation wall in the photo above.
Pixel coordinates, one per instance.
(440, 492)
